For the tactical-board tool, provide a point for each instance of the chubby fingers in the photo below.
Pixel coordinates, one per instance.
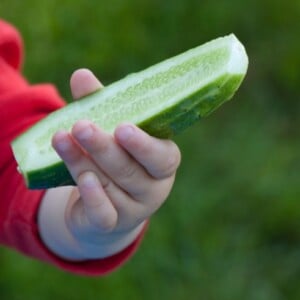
(160, 158)
(97, 191)
(113, 160)
(135, 161)
(136, 171)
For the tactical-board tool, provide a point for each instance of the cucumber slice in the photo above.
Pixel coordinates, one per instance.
(163, 100)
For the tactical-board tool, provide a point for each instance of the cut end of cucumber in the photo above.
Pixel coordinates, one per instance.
(238, 64)
(163, 99)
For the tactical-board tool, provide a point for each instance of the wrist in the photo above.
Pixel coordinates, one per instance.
(66, 244)
(109, 244)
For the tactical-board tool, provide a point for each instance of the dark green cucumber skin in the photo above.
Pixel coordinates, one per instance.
(181, 116)
(52, 176)
(168, 123)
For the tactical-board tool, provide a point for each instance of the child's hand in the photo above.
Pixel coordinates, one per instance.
(122, 179)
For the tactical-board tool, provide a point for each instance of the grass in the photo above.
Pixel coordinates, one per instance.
(230, 229)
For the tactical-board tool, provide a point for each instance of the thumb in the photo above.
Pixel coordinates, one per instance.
(84, 82)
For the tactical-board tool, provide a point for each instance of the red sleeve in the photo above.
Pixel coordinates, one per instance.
(21, 105)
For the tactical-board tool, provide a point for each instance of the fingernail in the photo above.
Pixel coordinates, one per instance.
(63, 145)
(125, 132)
(85, 133)
(88, 180)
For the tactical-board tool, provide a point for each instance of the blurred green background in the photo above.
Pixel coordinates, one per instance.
(231, 227)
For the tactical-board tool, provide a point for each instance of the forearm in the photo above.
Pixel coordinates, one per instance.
(58, 237)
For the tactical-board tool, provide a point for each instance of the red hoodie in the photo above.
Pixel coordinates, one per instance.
(21, 105)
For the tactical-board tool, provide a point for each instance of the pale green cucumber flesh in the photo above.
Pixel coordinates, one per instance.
(179, 117)
(163, 100)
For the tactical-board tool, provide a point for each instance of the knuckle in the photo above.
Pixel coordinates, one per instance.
(127, 171)
(107, 185)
